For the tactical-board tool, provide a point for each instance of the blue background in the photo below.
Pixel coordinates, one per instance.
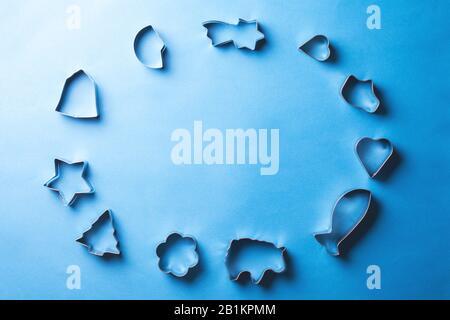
(128, 148)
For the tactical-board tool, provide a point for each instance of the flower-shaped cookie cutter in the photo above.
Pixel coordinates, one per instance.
(176, 267)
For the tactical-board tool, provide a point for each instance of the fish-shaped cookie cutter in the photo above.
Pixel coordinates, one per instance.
(341, 223)
(48, 184)
(107, 214)
(236, 277)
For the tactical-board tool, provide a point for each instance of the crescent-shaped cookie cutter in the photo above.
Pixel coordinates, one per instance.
(137, 38)
(265, 271)
(165, 243)
(84, 167)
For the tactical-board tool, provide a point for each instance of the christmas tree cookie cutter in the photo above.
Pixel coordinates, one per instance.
(106, 216)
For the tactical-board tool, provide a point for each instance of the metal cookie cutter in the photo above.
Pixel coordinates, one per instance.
(49, 183)
(80, 75)
(373, 154)
(318, 48)
(348, 212)
(177, 254)
(228, 33)
(157, 43)
(360, 94)
(257, 268)
(105, 219)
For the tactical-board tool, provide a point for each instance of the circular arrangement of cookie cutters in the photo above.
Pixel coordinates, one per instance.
(373, 154)
(178, 253)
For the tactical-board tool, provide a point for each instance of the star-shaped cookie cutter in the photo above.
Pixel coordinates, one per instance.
(48, 184)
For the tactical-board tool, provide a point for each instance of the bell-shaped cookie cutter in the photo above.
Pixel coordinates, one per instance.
(166, 244)
(67, 83)
(107, 214)
(332, 239)
(58, 162)
(350, 82)
(259, 279)
(359, 150)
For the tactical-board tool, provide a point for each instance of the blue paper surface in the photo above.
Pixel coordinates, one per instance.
(276, 87)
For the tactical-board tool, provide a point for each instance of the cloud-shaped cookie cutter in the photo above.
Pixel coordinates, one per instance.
(360, 94)
(236, 245)
(342, 222)
(79, 75)
(318, 48)
(49, 183)
(177, 268)
(229, 38)
(159, 44)
(106, 216)
(373, 154)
